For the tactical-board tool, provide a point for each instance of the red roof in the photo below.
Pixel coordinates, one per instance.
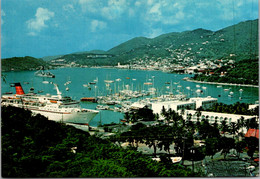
(252, 133)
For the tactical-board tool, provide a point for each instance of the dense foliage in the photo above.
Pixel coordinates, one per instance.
(243, 72)
(33, 146)
(236, 108)
(22, 63)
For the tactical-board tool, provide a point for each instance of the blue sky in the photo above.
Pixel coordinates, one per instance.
(41, 28)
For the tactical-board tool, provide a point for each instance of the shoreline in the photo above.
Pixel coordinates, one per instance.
(216, 83)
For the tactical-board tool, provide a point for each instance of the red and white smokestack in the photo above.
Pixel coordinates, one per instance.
(19, 89)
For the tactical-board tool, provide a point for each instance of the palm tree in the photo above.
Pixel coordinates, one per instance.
(241, 123)
(224, 126)
(233, 128)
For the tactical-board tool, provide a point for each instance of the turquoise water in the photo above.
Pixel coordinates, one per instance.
(133, 79)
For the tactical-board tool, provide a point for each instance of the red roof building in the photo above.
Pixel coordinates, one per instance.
(252, 133)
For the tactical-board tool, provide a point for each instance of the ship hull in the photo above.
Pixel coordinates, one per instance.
(68, 117)
(81, 117)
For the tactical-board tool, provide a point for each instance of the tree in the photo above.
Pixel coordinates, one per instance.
(151, 137)
(241, 123)
(239, 146)
(224, 126)
(233, 128)
(211, 146)
(226, 144)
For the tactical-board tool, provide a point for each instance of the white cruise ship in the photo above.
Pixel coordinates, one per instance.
(54, 107)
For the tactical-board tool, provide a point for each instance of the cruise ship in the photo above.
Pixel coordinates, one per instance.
(55, 107)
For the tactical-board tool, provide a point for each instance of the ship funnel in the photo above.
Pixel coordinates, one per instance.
(18, 88)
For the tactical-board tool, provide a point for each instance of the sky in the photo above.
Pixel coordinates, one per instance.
(41, 28)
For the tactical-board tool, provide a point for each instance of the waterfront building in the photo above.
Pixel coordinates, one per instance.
(174, 105)
(192, 103)
(205, 103)
(214, 116)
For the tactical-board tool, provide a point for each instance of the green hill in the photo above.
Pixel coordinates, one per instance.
(130, 45)
(22, 63)
(237, 42)
(240, 39)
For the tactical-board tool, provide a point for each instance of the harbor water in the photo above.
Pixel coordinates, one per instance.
(90, 82)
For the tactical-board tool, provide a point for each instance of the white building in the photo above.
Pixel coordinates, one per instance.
(214, 116)
(174, 105)
(205, 103)
(193, 103)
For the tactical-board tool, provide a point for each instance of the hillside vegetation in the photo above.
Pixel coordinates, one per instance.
(243, 72)
(22, 63)
(240, 39)
(33, 146)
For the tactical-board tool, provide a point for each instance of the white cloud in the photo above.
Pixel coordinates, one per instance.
(68, 7)
(38, 23)
(96, 24)
(89, 5)
(155, 9)
(2, 14)
(114, 9)
(165, 12)
(110, 9)
(138, 3)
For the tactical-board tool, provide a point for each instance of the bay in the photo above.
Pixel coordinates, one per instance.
(123, 79)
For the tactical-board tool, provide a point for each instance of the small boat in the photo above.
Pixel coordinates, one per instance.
(167, 83)
(231, 93)
(219, 86)
(101, 107)
(67, 89)
(92, 83)
(110, 102)
(42, 73)
(198, 86)
(148, 83)
(227, 89)
(241, 90)
(45, 82)
(108, 81)
(89, 99)
(204, 87)
(199, 91)
(86, 85)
